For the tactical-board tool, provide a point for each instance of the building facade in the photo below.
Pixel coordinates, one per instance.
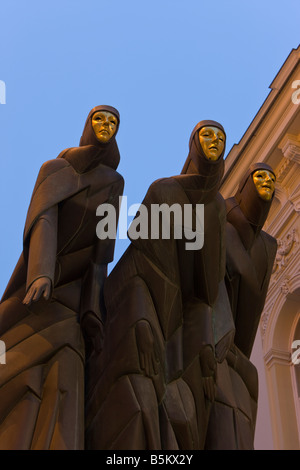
(273, 137)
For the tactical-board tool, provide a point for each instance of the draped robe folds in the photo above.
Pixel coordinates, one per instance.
(160, 301)
(250, 254)
(42, 385)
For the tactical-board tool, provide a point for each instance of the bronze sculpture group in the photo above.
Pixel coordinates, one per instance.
(155, 355)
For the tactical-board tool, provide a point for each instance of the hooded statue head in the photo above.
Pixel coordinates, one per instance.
(197, 155)
(203, 162)
(254, 205)
(91, 150)
(88, 135)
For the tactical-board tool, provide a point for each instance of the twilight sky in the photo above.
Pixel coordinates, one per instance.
(164, 64)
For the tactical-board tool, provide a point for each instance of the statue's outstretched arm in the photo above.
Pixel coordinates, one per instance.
(42, 257)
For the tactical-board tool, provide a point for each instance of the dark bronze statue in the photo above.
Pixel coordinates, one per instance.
(51, 313)
(156, 355)
(250, 254)
(158, 361)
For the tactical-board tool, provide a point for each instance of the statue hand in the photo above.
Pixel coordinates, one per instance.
(92, 330)
(208, 367)
(41, 286)
(146, 348)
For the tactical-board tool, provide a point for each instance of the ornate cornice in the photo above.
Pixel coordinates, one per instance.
(290, 147)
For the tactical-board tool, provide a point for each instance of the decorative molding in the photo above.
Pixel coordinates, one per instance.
(276, 356)
(295, 200)
(286, 247)
(283, 170)
(264, 320)
(278, 293)
(290, 147)
(283, 274)
(284, 287)
(292, 152)
(280, 192)
(280, 219)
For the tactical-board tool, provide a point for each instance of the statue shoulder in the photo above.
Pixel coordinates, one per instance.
(162, 186)
(270, 241)
(161, 191)
(52, 166)
(220, 204)
(48, 171)
(119, 177)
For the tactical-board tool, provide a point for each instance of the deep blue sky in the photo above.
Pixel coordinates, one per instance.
(165, 64)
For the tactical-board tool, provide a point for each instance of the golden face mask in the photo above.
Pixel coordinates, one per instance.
(105, 125)
(212, 141)
(264, 182)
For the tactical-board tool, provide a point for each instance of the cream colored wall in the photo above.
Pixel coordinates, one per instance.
(282, 307)
(263, 436)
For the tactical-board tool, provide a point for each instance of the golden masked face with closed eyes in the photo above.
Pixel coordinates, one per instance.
(104, 125)
(264, 181)
(212, 141)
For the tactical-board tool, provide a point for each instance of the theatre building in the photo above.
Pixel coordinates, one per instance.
(273, 137)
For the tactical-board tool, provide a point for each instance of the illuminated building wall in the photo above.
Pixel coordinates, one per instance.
(273, 137)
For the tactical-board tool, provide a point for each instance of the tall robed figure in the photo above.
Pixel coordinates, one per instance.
(51, 313)
(158, 361)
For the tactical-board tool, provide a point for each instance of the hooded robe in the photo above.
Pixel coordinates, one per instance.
(160, 300)
(43, 382)
(250, 254)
